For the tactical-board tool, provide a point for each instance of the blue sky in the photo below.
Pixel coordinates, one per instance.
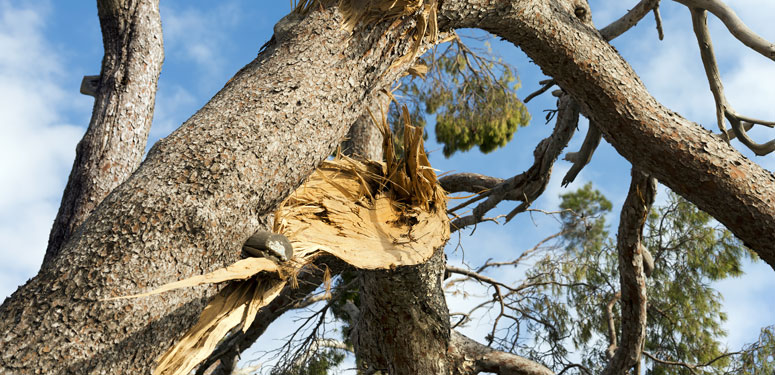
(47, 46)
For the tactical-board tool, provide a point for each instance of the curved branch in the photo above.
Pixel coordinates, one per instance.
(735, 25)
(529, 185)
(584, 155)
(472, 357)
(643, 189)
(739, 127)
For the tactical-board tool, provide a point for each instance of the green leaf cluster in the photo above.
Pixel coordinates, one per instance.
(684, 314)
(320, 363)
(473, 96)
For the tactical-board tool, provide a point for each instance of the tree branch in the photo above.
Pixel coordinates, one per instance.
(529, 185)
(472, 357)
(630, 19)
(735, 25)
(124, 97)
(683, 155)
(584, 155)
(633, 279)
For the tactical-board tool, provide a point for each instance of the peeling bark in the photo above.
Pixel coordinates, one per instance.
(114, 143)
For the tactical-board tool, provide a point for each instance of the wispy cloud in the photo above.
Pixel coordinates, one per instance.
(201, 36)
(37, 147)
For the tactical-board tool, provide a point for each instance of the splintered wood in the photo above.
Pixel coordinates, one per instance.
(347, 209)
(372, 215)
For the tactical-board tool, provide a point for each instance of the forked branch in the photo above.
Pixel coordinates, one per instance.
(529, 185)
(735, 25)
(740, 124)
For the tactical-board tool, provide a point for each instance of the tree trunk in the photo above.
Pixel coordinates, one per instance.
(114, 143)
(198, 196)
(403, 326)
(689, 159)
(195, 200)
(364, 138)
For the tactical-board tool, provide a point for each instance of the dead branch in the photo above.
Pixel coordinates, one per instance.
(658, 20)
(472, 357)
(632, 277)
(629, 20)
(735, 25)
(584, 155)
(529, 185)
(740, 124)
(546, 85)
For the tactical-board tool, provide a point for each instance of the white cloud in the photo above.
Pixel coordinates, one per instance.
(37, 147)
(200, 35)
(748, 302)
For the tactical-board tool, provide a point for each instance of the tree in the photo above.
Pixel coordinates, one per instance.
(205, 189)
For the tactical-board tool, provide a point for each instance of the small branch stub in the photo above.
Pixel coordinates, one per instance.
(89, 85)
(263, 243)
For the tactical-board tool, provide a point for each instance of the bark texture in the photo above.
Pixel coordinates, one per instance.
(632, 276)
(689, 159)
(114, 143)
(364, 138)
(195, 200)
(403, 325)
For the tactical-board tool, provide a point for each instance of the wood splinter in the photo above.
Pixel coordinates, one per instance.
(267, 244)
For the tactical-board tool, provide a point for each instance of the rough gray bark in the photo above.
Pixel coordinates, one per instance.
(403, 326)
(114, 143)
(632, 276)
(364, 138)
(194, 201)
(689, 159)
